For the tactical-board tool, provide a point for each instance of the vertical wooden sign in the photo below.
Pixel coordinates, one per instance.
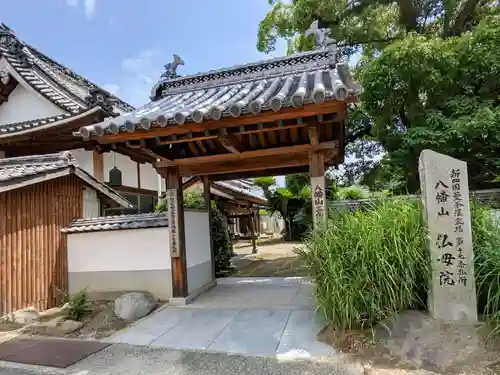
(173, 222)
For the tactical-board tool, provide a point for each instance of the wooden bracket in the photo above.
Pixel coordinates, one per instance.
(230, 142)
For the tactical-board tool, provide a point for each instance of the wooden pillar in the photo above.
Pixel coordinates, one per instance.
(318, 189)
(176, 226)
(208, 207)
(252, 232)
(98, 165)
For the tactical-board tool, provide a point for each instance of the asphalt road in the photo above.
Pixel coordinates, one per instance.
(137, 360)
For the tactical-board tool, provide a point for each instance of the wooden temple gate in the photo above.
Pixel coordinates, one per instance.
(273, 117)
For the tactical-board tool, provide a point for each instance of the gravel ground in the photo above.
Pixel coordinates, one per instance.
(135, 360)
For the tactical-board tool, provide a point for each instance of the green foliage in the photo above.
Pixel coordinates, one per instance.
(221, 239)
(371, 264)
(353, 192)
(291, 202)
(486, 240)
(441, 94)
(367, 25)
(429, 72)
(78, 305)
(192, 199)
(368, 264)
(220, 233)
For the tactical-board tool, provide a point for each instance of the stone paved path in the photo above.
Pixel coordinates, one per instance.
(249, 316)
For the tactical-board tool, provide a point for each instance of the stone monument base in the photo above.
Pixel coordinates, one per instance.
(415, 338)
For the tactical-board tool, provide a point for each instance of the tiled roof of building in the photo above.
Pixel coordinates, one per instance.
(270, 85)
(243, 186)
(14, 168)
(27, 170)
(16, 128)
(63, 87)
(106, 223)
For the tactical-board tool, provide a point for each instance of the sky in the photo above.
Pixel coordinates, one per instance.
(122, 45)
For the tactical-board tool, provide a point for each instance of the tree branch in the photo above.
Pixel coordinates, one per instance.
(465, 13)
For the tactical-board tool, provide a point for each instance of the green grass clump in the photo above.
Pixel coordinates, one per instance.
(369, 264)
(486, 242)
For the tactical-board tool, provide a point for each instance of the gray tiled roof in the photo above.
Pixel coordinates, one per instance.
(52, 80)
(26, 170)
(303, 78)
(105, 223)
(8, 129)
(14, 168)
(243, 186)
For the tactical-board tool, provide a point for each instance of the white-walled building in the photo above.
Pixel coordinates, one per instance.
(42, 103)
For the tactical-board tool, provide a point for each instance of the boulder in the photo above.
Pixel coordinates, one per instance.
(58, 326)
(133, 306)
(25, 316)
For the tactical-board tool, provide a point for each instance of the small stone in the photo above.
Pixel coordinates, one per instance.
(25, 316)
(57, 326)
(133, 306)
(69, 326)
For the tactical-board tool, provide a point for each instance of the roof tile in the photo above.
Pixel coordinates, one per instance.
(13, 168)
(106, 223)
(304, 78)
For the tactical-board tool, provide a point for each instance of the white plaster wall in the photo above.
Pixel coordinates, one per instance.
(85, 160)
(119, 250)
(23, 104)
(149, 177)
(197, 237)
(91, 203)
(127, 166)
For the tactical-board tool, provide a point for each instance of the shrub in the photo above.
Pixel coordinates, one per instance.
(486, 240)
(221, 239)
(78, 305)
(220, 233)
(369, 264)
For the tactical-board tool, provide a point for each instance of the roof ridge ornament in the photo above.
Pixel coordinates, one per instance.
(171, 68)
(169, 73)
(321, 35)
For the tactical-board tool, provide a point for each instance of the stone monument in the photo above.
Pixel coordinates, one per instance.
(445, 197)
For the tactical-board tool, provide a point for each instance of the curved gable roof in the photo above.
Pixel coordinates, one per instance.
(63, 87)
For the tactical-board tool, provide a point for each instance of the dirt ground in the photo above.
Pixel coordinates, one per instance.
(274, 257)
(101, 322)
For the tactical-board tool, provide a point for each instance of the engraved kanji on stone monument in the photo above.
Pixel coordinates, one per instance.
(173, 222)
(445, 197)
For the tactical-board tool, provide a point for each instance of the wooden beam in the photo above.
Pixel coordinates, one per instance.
(313, 135)
(318, 188)
(270, 171)
(227, 122)
(165, 161)
(193, 149)
(255, 153)
(232, 144)
(133, 154)
(177, 238)
(211, 145)
(272, 138)
(245, 165)
(262, 140)
(201, 147)
(98, 165)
